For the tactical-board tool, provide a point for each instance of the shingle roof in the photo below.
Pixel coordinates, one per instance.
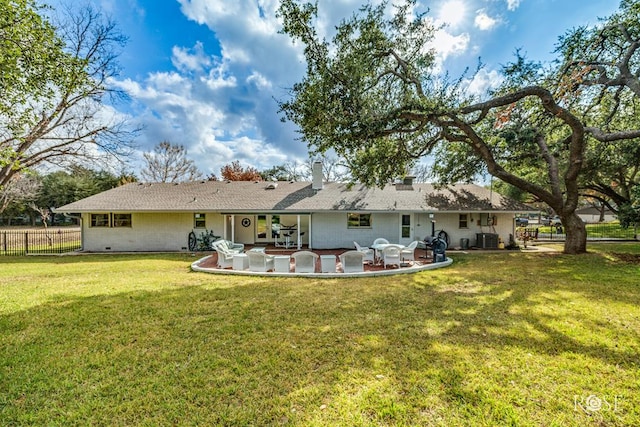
(244, 196)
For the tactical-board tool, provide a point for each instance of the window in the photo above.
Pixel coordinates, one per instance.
(122, 220)
(406, 227)
(199, 220)
(463, 221)
(355, 220)
(99, 220)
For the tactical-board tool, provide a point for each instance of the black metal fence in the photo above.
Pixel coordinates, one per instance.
(23, 242)
(595, 231)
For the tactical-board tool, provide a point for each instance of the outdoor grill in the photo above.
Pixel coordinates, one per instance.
(438, 247)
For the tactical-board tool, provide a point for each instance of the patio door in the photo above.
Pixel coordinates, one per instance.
(406, 229)
(267, 228)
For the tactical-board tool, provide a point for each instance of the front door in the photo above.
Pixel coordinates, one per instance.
(406, 229)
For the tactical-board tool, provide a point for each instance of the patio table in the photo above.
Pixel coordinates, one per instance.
(240, 261)
(282, 263)
(328, 263)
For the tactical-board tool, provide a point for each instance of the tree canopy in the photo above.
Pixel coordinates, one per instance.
(235, 172)
(169, 163)
(55, 78)
(384, 106)
(601, 64)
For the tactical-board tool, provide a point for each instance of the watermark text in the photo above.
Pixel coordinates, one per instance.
(597, 403)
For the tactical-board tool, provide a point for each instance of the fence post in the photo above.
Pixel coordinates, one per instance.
(5, 242)
(26, 242)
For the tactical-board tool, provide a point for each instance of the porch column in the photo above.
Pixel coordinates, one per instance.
(298, 227)
(233, 228)
(309, 237)
(225, 218)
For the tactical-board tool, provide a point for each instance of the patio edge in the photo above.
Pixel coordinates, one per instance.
(195, 266)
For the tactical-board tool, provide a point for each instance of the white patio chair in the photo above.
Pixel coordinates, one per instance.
(408, 253)
(352, 261)
(259, 261)
(225, 259)
(391, 256)
(228, 246)
(304, 261)
(380, 241)
(225, 255)
(368, 253)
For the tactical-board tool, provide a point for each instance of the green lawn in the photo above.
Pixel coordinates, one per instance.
(496, 339)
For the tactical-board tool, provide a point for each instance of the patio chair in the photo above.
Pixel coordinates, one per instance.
(352, 261)
(380, 241)
(304, 261)
(225, 254)
(368, 253)
(391, 256)
(228, 246)
(259, 261)
(225, 258)
(408, 253)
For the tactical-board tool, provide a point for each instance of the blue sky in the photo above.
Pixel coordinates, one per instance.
(204, 73)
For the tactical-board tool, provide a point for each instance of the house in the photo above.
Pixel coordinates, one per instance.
(160, 216)
(592, 214)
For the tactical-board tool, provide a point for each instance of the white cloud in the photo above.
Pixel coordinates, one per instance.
(184, 60)
(484, 22)
(223, 107)
(513, 4)
(482, 82)
(259, 80)
(446, 45)
(452, 12)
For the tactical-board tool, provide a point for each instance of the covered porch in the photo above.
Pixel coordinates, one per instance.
(275, 229)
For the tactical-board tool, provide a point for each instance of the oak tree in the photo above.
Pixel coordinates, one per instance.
(600, 67)
(55, 82)
(384, 107)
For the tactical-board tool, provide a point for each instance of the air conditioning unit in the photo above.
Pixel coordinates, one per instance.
(487, 240)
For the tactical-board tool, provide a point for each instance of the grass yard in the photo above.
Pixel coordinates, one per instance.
(522, 339)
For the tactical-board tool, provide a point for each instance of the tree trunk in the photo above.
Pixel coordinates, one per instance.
(576, 232)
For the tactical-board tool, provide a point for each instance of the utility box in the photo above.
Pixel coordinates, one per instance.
(487, 240)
